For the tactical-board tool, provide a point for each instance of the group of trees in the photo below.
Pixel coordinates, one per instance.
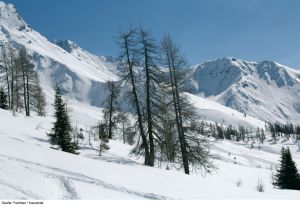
(229, 132)
(20, 89)
(166, 122)
(283, 130)
(66, 138)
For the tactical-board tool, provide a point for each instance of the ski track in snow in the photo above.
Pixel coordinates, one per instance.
(70, 192)
(26, 192)
(66, 177)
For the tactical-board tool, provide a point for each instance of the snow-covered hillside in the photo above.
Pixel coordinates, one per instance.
(51, 174)
(265, 90)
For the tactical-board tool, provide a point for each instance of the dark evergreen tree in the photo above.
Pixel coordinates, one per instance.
(272, 129)
(287, 176)
(262, 136)
(103, 138)
(213, 130)
(62, 129)
(258, 135)
(220, 132)
(3, 99)
(242, 133)
(228, 132)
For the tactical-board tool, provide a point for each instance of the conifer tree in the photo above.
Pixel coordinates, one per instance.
(62, 129)
(262, 136)
(103, 137)
(220, 131)
(258, 135)
(287, 176)
(3, 99)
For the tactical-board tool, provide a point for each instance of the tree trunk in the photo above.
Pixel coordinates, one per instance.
(24, 89)
(182, 137)
(149, 112)
(27, 93)
(110, 111)
(12, 81)
(176, 102)
(137, 105)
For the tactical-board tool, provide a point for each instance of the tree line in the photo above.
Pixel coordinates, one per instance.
(20, 89)
(288, 130)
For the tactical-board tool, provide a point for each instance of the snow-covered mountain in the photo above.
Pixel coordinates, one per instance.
(79, 73)
(82, 74)
(265, 90)
(53, 174)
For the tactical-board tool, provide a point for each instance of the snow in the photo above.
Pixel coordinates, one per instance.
(52, 174)
(265, 90)
(215, 112)
(30, 169)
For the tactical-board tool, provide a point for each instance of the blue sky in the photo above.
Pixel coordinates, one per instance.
(205, 29)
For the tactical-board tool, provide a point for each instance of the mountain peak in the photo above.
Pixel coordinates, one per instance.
(10, 18)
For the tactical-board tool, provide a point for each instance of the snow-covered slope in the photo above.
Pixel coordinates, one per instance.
(265, 90)
(51, 174)
(100, 62)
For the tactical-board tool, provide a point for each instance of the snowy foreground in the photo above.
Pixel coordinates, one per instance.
(30, 169)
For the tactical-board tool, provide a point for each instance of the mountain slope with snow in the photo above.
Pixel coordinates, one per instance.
(265, 90)
(80, 78)
(53, 174)
(81, 74)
